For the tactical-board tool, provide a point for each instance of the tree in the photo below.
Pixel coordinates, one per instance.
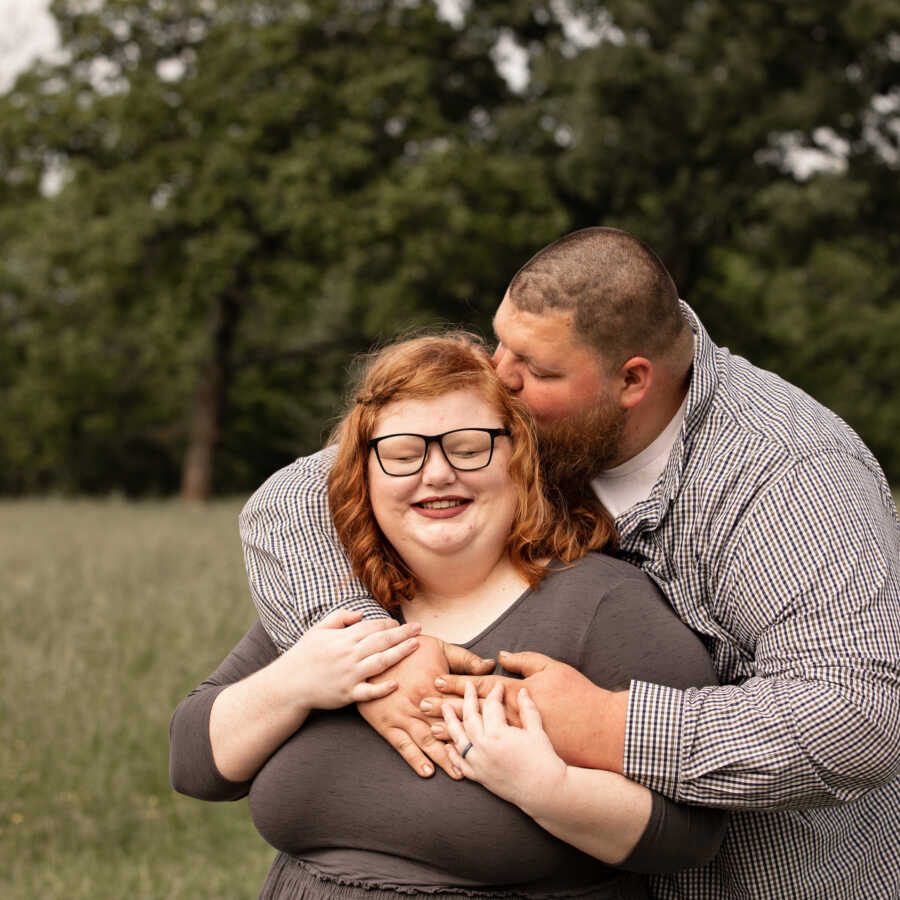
(250, 194)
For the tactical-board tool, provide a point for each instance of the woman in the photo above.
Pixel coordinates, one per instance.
(436, 496)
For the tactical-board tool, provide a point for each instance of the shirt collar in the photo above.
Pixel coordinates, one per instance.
(647, 515)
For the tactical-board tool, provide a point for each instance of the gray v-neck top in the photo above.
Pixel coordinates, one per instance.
(336, 791)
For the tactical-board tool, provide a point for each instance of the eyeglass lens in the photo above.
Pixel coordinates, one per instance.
(467, 449)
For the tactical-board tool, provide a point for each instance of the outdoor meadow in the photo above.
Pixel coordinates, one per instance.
(208, 207)
(111, 612)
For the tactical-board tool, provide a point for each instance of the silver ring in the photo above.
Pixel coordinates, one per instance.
(468, 748)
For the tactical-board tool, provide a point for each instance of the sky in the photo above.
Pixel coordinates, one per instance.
(26, 31)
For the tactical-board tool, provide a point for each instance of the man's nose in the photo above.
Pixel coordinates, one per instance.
(506, 371)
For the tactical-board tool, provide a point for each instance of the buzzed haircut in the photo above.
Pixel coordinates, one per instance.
(623, 300)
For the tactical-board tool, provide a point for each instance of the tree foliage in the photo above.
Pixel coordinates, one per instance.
(208, 206)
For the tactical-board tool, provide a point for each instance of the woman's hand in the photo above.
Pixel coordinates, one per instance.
(399, 719)
(598, 812)
(585, 723)
(331, 663)
(325, 669)
(517, 764)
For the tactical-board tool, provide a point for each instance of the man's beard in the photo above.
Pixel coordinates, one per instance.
(577, 448)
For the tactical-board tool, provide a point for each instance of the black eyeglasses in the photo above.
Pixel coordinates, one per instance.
(465, 449)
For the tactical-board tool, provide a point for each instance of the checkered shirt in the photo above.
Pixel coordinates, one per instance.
(773, 534)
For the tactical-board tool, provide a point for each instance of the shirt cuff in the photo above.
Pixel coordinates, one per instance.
(653, 736)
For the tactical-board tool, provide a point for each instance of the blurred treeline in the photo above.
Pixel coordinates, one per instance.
(207, 206)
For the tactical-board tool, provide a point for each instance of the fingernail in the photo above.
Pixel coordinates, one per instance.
(435, 729)
(425, 706)
(439, 682)
(504, 653)
(456, 772)
(427, 770)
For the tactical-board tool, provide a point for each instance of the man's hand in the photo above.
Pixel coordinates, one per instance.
(398, 717)
(585, 723)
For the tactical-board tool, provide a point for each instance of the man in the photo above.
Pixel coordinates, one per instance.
(764, 520)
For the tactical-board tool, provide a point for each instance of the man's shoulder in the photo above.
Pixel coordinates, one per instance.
(300, 487)
(762, 437)
(757, 411)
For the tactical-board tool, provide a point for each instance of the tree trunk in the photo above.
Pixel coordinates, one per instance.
(209, 403)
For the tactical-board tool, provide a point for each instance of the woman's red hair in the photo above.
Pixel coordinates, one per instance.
(424, 368)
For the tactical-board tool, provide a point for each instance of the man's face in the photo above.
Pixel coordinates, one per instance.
(540, 359)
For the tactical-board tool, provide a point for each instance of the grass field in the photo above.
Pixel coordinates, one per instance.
(111, 612)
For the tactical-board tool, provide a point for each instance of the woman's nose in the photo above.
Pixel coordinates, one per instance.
(436, 469)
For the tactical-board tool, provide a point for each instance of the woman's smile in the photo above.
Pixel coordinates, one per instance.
(442, 507)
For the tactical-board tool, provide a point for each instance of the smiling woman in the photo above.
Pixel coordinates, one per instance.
(437, 497)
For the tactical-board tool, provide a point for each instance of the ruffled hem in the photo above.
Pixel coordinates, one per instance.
(292, 879)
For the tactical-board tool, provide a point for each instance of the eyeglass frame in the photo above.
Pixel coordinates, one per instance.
(439, 440)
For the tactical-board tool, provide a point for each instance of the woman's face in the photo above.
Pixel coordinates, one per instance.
(440, 509)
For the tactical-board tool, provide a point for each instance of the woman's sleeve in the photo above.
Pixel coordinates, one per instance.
(636, 631)
(677, 837)
(192, 769)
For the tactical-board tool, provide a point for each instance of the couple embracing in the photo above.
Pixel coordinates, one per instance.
(628, 606)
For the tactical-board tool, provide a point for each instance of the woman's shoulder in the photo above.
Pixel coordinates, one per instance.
(628, 630)
(602, 571)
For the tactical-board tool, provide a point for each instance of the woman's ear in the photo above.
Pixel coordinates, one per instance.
(634, 379)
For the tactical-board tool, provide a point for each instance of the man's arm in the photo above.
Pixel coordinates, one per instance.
(297, 569)
(813, 582)
(298, 573)
(813, 585)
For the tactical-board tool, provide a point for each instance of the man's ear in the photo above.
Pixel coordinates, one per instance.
(635, 378)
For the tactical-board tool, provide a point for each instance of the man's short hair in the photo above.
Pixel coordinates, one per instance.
(623, 299)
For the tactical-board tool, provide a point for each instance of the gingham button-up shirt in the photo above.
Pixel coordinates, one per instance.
(773, 534)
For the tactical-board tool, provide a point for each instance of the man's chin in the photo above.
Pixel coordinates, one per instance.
(574, 452)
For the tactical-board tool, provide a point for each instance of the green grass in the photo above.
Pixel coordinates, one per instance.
(111, 612)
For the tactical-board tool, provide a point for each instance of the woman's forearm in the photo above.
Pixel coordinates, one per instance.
(601, 813)
(250, 719)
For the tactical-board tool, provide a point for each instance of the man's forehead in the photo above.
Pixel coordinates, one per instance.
(527, 333)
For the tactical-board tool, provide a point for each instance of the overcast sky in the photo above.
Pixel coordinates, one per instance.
(26, 30)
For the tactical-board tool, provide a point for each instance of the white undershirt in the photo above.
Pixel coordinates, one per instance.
(632, 481)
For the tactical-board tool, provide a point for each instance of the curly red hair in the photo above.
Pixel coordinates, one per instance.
(424, 368)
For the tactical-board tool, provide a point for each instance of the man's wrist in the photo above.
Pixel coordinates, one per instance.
(605, 744)
(616, 719)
